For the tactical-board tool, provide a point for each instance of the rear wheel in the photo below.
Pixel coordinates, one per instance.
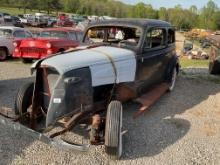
(23, 98)
(113, 130)
(3, 54)
(173, 80)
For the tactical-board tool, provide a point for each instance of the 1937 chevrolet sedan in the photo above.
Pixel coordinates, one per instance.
(121, 62)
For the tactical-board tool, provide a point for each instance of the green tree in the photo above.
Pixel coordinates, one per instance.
(162, 14)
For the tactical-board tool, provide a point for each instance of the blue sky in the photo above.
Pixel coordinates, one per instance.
(171, 3)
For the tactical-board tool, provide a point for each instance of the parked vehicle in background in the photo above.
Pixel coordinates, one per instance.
(82, 25)
(77, 18)
(64, 21)
(187, 46)
(8, 35)
(49, 42)
(5, 19)
(17, 22)
(23, 20)
(27, 15)
(51, 22)
(89, 84)
(198, 54)
(214, 60)
(93, 18)
(204, 44)
(39, 21)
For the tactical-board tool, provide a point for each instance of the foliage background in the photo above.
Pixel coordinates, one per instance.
(207, 17)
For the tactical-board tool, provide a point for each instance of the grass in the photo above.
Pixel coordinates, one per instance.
(16, 11)
(185, 63)
(202, 77)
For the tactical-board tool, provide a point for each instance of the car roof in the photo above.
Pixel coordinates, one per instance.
(62, 29)
(12, 28)
(131, 22)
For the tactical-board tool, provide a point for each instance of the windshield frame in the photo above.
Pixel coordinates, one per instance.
(135, 48)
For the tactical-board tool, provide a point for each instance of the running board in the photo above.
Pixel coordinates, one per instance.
(150, 98)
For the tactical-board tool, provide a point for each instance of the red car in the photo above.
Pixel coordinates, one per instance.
(64, 21)
(50, 41)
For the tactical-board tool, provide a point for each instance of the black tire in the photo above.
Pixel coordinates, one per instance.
(23, 99)
(113, 129)
(61, 50)
(214, 67)
(172, 81)
(3, 54)
(27, 60)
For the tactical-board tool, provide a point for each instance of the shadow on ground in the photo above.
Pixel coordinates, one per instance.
(9, 146)
(148, 135)
(162, 125)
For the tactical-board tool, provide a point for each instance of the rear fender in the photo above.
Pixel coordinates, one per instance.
(173, 63)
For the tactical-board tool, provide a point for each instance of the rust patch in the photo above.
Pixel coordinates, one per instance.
(151, 97)
(124, 93)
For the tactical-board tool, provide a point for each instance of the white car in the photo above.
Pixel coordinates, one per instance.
(197, 54)
(9, 34)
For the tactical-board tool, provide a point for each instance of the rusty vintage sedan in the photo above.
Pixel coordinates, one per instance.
(129, 60)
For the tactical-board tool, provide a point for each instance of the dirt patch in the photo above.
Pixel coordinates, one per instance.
(209, 129)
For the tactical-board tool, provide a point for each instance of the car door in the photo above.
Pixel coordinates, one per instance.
(152, 60)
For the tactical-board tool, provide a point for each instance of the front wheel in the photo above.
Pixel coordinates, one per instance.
(3, 54)
(23, 98)
(173, 80)
(113, 130)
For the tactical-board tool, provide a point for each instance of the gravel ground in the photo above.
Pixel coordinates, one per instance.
(183, 127)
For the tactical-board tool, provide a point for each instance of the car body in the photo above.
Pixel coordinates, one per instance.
(8, 35)
(5, 19)
(49, 41)
(77, 18)
(39, 21)
(131, 57)
(214, 55)
(22, 19)
(205, 44)
(16, 21)
(64, 21)
(51, 21)
(197, 54)
(187, 46)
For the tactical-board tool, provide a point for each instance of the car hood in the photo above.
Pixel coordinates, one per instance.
(105, 62)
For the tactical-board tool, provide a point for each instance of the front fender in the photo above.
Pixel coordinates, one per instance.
(70, 95)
